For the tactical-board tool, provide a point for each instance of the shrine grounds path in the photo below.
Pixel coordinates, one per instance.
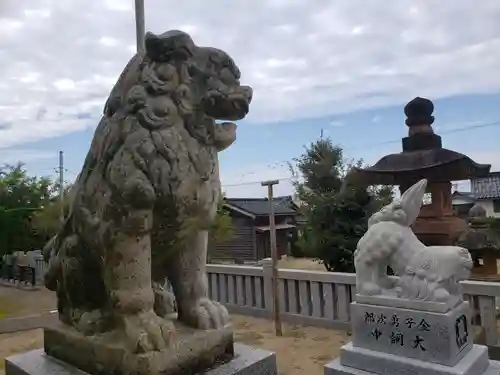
(301, 350)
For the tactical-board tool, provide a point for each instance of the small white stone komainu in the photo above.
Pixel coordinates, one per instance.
(424, 273)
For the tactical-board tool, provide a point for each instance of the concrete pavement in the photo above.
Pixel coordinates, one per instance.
(24, 323)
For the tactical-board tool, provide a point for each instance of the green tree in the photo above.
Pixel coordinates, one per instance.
(336, 213)
(47, 221)
(21, 196)
(221, 230)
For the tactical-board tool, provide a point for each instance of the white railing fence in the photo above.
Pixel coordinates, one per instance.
(306, 297)
(323, 298)
(318, 298)
(40, 268)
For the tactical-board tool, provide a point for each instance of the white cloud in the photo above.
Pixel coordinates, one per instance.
(108, 42)
(37, 13)
(303, 58)
(64, 84)
(31, 77)
(26, 155)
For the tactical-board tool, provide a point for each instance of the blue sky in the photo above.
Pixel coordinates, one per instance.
(263, 149)
(313, 65)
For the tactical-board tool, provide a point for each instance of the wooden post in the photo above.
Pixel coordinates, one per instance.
(274, 257)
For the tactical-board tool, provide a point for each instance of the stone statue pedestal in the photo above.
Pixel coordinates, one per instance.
(390, 341)
(67, 351)
(358, 361)
(246, 361)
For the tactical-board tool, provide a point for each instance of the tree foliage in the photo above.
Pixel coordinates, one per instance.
(222, 228)
(30, 211)
(46, 221)
(336, 213)
(21, 196)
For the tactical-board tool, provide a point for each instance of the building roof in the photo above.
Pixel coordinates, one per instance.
(486, 187)
(260, 206)
(465, 195)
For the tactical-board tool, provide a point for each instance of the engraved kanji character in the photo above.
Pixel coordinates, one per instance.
(397, 338)
(410, 322)
(424, 326)
(376, 333)
(418, 343)
(369, 317)
(382, 319)
(395, 320)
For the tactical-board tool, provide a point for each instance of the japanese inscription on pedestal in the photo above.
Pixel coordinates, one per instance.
(396, 337)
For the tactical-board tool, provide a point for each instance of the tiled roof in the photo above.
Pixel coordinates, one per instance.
(486, 187)
(464, 195)
(260, 206)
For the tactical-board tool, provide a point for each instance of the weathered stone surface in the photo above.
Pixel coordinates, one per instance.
(164, 304)
(358, 361)
(423, 273)
(142, 205)
(191, 351)
(247, 361)
(431, 337)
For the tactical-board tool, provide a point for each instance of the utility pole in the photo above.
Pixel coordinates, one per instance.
(140, 28)
(61, 187)
(274, 257)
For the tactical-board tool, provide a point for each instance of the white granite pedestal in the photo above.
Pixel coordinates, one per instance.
(392, 341)
(441, 338)
(247, 361)
(359, 361)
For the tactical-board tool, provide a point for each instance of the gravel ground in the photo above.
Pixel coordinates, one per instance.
(301, 350)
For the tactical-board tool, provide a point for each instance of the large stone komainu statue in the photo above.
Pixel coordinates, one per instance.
(141, 207)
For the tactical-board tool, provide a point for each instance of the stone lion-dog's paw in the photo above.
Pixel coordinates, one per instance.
(208, 314)
(146, 331)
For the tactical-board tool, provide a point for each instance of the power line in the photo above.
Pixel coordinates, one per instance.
(451, 131)
(228, 185)
(285, 162)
